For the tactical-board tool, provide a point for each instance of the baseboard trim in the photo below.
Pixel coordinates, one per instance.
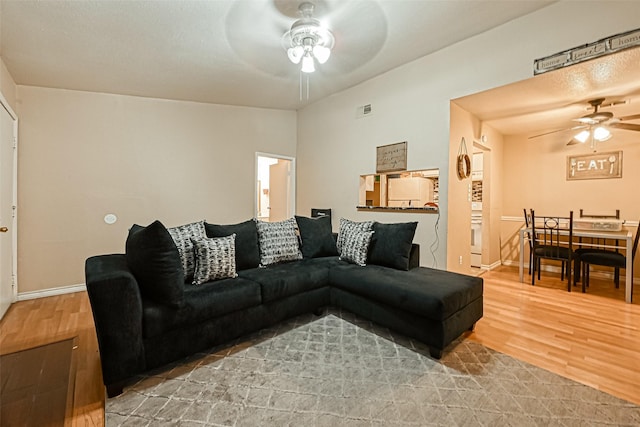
(492, 266)
(23, 296)
(600, 274)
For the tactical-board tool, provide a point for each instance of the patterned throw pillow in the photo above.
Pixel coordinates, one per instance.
(355, 248)
(278, 241)
(182, 236)
(348, 227)
(215, 258)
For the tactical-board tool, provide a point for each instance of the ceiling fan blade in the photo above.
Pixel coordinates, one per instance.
(625, 126)
(559, 130)
(573, 142)
(631, 117)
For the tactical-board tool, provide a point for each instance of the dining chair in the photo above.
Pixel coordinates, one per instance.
(527, 223)
(608, 258)
(595, 245)
(552, 239)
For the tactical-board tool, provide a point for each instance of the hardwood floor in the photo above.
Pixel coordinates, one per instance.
(592, 338)
(37, 322)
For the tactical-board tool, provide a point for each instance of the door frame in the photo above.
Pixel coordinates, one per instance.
(14, 220)
(292, 181)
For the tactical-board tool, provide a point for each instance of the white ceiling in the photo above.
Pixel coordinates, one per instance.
(552, 101)
(227, 51)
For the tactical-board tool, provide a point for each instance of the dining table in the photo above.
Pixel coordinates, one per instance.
(623, 240)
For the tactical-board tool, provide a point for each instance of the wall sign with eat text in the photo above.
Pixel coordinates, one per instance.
(595, 166)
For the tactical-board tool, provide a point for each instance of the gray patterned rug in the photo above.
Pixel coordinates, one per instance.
(337, 370)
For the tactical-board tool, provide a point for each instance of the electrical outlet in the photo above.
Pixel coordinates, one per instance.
(460, 260)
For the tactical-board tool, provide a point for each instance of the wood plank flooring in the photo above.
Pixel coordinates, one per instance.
(592, 338)
(42, 321)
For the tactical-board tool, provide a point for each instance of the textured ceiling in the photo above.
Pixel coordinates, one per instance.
(227, 51)
(552, 100)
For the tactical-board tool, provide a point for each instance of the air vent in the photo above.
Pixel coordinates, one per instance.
(363, 111)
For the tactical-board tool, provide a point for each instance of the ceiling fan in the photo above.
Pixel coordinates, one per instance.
(594, 127)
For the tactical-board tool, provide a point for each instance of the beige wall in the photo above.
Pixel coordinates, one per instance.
(7, 86)
(411, 103)
(537, 179)
(540, 168)
(463, 125)
(83, 155)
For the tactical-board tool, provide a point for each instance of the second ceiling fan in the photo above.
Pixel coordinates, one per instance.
(595, 126)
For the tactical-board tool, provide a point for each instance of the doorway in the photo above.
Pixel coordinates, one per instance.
(480, 205)
(8, 198)
(275, 187)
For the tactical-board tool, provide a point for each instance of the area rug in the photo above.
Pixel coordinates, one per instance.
(337, 370)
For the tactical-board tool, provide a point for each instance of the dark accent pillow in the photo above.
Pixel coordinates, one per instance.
(154, 260)
(391, 244)
(247, 249)
(317, 237)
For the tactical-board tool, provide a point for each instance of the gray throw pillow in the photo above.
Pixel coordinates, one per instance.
(356, 247)
(278, 241)
(215, 259)
(182, 236)
(348, 227)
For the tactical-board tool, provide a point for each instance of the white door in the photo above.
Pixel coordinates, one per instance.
(275, 187)
(279, 191)
(8, 163)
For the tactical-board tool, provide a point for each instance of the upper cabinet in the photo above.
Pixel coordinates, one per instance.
(477, 166)
(410, 191)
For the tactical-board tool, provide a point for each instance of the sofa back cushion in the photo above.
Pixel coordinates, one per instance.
(154, 260)
(246, 243)
(316, 236)
(391, 244)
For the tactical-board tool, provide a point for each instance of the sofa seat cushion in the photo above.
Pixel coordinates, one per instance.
(283, 280)
(206, 301)
(427, 292)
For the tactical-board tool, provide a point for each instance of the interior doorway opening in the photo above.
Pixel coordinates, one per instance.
(480, 206)
(275, 187)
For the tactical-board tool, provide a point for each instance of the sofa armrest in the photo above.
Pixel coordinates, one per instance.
(414, 256)
(117, 313)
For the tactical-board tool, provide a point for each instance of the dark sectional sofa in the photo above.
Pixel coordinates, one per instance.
(138, 331)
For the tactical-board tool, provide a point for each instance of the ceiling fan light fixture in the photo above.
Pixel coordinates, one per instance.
(307, 38)
(321, 53)
(601, 133)
(295, 54)
(582, 136)
(308, 64)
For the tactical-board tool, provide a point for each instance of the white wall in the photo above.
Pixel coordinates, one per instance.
(411, 103)
(83, 155)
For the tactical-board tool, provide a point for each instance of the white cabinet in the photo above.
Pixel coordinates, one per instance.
(411, 191)
(477, 166)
